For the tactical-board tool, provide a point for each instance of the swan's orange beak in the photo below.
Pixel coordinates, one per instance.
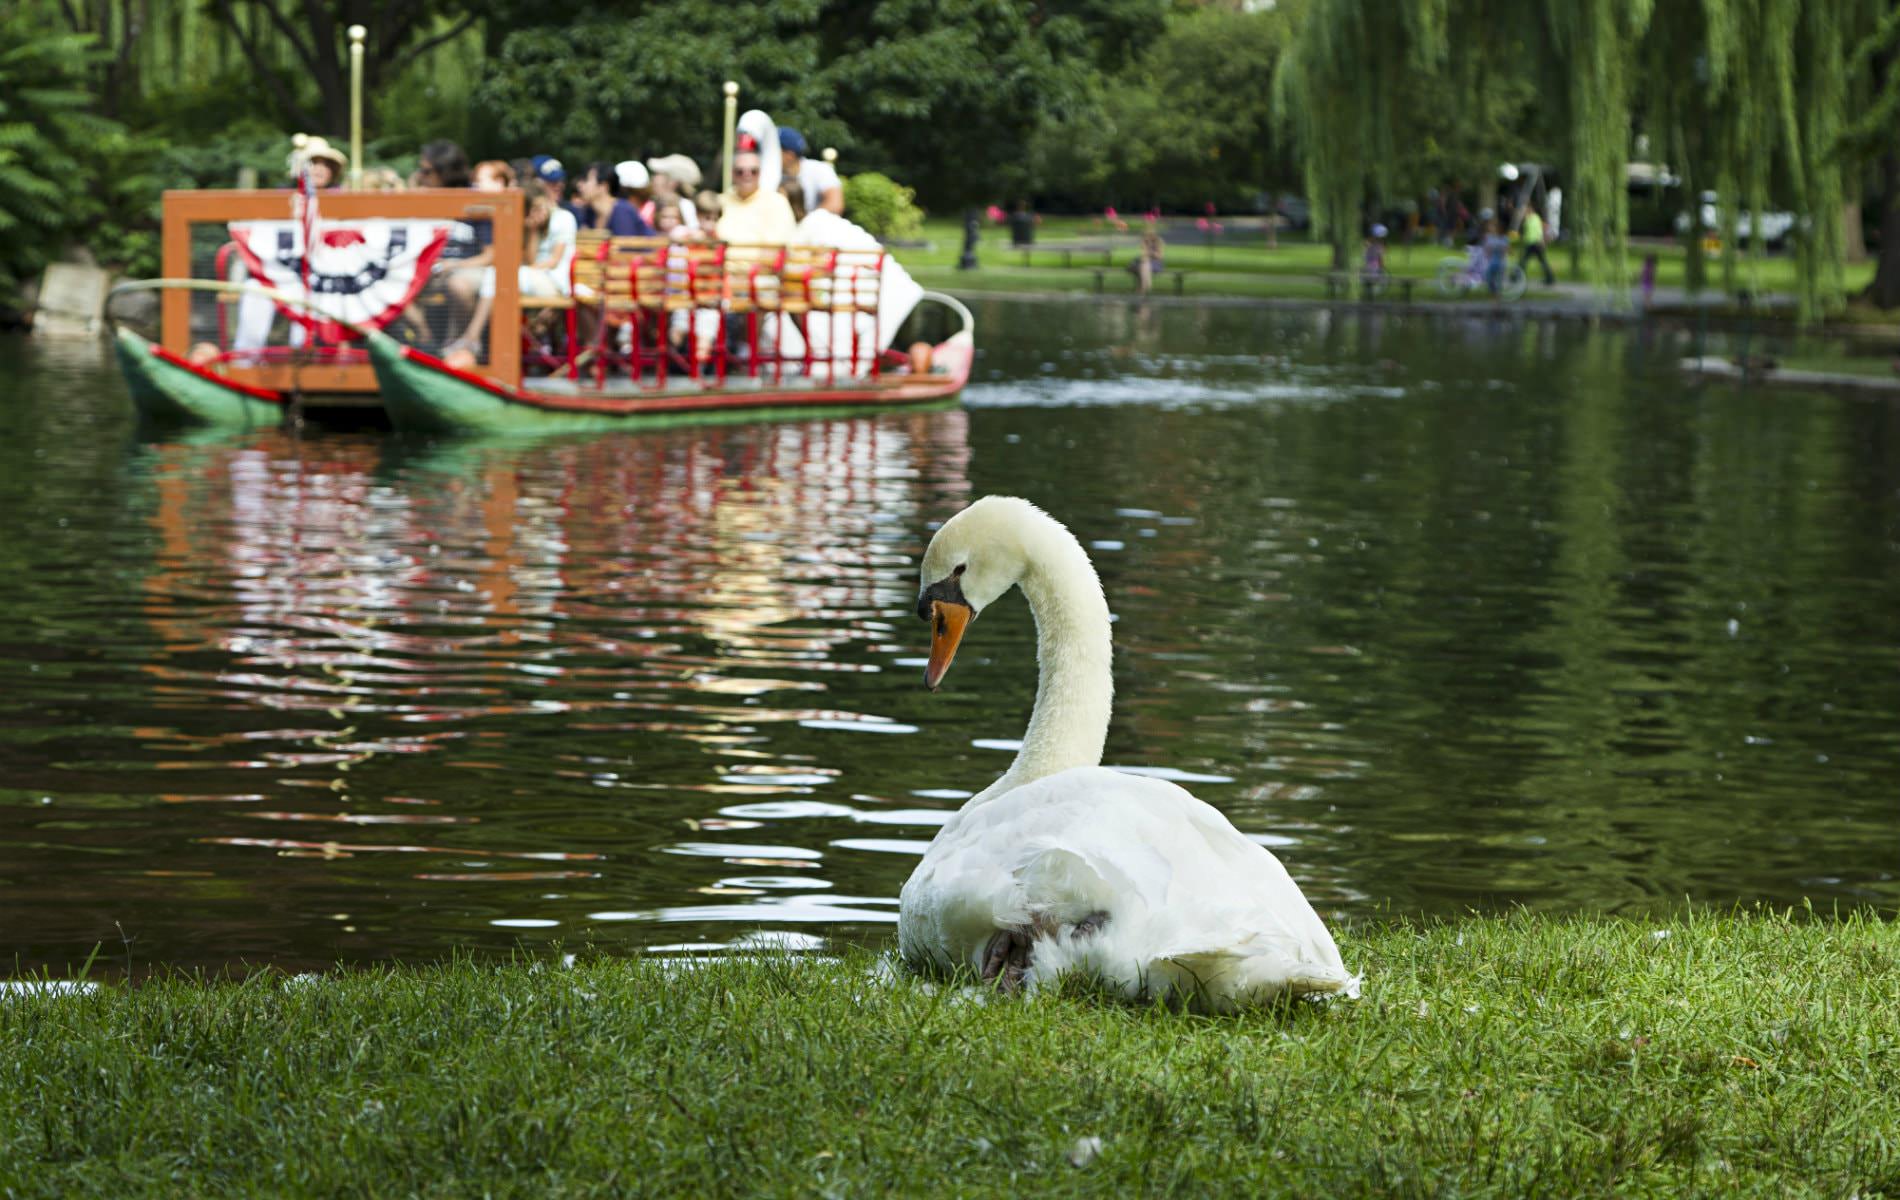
(947, 623)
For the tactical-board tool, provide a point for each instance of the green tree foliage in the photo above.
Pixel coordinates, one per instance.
(63, 167)
(314, 32)
(884, 207)
(1747, 95)
(946, 95)
(1187, 121)
(1339, 94)
(1873, 136)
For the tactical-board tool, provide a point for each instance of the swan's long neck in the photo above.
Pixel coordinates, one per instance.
(1075, 686)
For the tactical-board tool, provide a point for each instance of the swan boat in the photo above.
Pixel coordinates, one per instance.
(268, 309)
(1063, 865)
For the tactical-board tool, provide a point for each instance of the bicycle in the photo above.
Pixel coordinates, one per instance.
(1461, 276)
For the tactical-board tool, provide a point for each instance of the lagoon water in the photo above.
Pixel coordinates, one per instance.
(1452, 614)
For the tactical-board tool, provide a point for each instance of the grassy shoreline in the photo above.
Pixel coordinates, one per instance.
(1243, 267)
(1749, 1054)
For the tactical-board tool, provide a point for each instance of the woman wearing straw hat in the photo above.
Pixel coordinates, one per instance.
(325, 162)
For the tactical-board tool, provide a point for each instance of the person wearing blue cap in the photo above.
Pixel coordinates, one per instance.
(816, 178)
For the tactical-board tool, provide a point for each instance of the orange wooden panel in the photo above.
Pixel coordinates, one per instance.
(504, 209)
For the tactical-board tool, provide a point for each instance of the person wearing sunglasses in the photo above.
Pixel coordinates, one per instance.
(749, 214)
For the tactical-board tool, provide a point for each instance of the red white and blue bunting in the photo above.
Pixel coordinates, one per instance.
(361, 272)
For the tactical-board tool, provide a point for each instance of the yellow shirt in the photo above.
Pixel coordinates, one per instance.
(764, 220)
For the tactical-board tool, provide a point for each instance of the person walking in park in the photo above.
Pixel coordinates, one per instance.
(1149, 263)
(1533, 233)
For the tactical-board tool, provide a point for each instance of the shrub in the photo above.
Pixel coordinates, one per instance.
(886, 208)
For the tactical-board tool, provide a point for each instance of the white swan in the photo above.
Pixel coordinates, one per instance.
(1064, 865)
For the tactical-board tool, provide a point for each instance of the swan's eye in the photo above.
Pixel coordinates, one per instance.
(961, 567)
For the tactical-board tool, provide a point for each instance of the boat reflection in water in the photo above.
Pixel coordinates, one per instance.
(405, 699)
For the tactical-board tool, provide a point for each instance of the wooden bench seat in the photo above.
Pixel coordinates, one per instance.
(1180, 278)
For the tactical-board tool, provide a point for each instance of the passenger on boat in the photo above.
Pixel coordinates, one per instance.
(442, 165)
(257, 315)
(325, 163)
(794, 196)
(669, 221)
(707, 205)
(549, 177)
(545, 259)
(550, 180)
(602, 207)
(816, 178)
(674, 178)
(636, 187)
(493, 175)
(468, 259)
(749, 214)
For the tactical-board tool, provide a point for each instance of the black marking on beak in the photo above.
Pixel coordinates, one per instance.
(949, 590)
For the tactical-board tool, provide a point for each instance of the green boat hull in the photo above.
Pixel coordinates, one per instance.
(172, 392)
(422, 395)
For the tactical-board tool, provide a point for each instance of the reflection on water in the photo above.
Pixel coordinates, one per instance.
(1449, 614)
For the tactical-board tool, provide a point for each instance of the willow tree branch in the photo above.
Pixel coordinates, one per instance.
(448, 35)
(301, 45)
(259, 66)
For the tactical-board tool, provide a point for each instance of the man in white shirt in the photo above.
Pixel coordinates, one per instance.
(817, 178)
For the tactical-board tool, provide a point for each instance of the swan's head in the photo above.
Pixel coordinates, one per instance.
(976, 556)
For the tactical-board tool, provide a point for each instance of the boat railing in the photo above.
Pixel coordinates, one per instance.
(649, 309)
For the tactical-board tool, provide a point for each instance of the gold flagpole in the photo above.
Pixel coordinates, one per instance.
(357, 34)
(732, 123)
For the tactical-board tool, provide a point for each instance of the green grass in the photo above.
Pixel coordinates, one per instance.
(1294, 270)
(1743, 1055)
(1873, 367)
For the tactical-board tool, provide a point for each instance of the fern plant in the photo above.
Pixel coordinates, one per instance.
(64, 169)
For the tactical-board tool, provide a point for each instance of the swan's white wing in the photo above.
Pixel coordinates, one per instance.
(1186, 895)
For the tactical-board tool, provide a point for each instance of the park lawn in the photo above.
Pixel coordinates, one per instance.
(1749, 1054)
(1296, 268)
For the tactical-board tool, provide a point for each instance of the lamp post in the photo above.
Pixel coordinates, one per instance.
(357, 34)
(732, 124)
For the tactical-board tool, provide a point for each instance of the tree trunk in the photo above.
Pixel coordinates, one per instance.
(1884, 291)
(1853, 241)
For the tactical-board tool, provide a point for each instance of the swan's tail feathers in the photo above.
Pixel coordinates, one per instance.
(1232, 977)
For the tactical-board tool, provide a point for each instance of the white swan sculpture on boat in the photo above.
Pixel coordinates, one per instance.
(1065, 865)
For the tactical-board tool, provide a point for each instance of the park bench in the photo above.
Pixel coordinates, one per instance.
(1068, 254)
(1340, 285)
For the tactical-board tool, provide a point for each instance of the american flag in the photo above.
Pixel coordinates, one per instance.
(306, 215)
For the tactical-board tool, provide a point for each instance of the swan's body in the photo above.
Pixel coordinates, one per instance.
(1065, 865)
